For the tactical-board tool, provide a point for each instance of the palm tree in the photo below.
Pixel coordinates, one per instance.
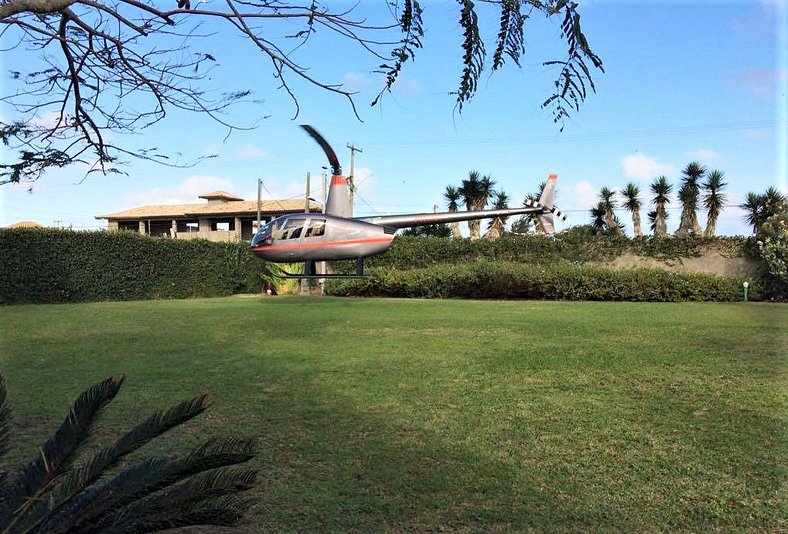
(598, 218)
(632, 204)
(759, 208)
(661, 189)
(497, 226)
(713, 200)
(50, 494)
(452, 195)
(475, 192)
(524, 223)
(608, 203)
(773, 202)
(753, 207)
(688, 196)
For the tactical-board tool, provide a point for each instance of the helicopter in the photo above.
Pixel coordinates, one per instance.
(336, 235)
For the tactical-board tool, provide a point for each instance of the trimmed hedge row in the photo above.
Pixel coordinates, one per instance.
(51, 265)
(561, 281)
(416, 252)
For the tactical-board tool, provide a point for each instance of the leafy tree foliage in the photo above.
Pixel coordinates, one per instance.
(104, 67)
(773, 248)
(52, 494)
(432, 230)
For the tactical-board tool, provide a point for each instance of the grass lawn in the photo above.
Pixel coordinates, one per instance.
(444, 416)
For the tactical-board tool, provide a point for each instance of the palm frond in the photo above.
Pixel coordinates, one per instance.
(227, 510)
(136, 481)
(5, 441)
(5, 418)
(78, 479)
(58, 452)
(171, 500)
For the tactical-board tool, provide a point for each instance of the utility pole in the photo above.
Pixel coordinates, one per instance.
(259, 194)
(325, 177)
(306, 197)
(351, 178)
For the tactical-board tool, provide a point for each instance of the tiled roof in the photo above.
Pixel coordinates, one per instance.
(219, 195)
(25, 224)
(235, 207)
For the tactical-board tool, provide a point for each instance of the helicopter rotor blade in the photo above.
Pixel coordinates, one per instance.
(332, 157)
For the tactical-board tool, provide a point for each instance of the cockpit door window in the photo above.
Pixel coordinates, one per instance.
(316, 228)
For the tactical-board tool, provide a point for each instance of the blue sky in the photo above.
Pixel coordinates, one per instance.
(683, 81)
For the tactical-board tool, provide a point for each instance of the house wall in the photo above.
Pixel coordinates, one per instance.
(240, 228)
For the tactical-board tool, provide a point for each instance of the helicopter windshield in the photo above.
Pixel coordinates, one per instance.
(264, 235)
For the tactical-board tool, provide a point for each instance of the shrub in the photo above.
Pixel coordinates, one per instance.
(560, 281)
(773, 249)
(52, 265)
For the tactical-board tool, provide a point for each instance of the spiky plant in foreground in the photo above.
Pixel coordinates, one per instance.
(51, 494)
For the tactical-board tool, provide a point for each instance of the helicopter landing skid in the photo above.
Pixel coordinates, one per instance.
(311, 274)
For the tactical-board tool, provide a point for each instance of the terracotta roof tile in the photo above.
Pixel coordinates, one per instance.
(239, 207)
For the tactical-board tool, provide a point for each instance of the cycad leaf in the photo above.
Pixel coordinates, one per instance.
(147, 477)
(201, 488)
(153, 426)
(226, 511)
(5, 427)
(58, 452)
(5, 417)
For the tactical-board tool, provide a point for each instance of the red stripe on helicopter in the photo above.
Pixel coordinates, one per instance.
(328, 244)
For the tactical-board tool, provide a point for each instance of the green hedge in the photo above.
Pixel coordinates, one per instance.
(415, 252)
(563, 281)
(49, 265)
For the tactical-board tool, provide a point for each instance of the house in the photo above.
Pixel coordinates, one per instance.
(223, 217)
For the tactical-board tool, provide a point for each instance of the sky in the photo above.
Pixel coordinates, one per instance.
(684, 81)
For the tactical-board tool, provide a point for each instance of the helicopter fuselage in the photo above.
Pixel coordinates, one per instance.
(315, 236)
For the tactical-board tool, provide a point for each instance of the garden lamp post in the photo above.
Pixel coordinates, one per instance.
(746, 285)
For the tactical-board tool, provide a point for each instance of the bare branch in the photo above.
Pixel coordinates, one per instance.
(119, 66)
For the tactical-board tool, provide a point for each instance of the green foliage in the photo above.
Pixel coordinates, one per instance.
(50, 265)
(576, 245)
(52, 495)
(773, 248)
(501, 280)
(431, 230)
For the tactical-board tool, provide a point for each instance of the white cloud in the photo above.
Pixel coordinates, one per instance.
(644, 167)
(250, 151)
(704, 155)
(407, 86)
(762, 82)
(47, 120)
(187, 192)
(577, 196)
(273, 189)
(355, 82)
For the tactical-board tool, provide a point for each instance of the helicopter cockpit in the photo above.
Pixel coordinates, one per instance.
(290, 227)
(264, 235)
